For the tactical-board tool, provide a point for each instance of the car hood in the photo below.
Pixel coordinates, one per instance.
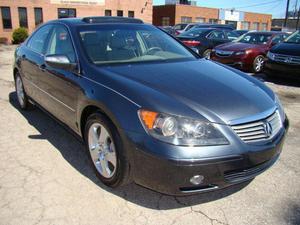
(287, 49)
(236, 46)
(219, 94)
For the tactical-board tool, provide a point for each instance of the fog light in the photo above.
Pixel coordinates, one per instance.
(197, 179)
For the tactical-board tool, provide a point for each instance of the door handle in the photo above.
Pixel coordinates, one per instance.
(42, 67)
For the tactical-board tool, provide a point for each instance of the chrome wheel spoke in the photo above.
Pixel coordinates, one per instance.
(103, 136)
(111, 157)
(104, 168)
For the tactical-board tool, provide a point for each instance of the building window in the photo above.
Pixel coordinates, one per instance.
(264, 26)
(246, 25)
(66, 13)
(23, 21)
(213, 21)
(131, 14)
(38, 16)
(200, 20)
(107, 12)
(165, 21)
(255, 26)
(186, 19)
(119, 12)
(6, 17)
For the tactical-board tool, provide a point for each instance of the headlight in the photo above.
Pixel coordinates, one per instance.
(240, 53)
(271, 55)
(280, 108)
(179, 130)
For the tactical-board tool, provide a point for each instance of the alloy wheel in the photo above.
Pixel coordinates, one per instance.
(20, 91)
(102, 150)
(259, 62)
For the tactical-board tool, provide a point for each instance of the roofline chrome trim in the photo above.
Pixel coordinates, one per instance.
(252, 118)
(128, 99)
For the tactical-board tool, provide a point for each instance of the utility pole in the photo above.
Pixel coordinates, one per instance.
(286, 12)
(298, 18)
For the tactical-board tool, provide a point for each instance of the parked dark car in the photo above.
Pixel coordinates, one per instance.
(241, 32)
(168, 29)
(184, 27)
(148, 108)
(213, 25)
(284, 59)
(203, 40)
(249, 51)
(179, 28)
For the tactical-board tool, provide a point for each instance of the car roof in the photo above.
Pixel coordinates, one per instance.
(267, 32)
(97, 20)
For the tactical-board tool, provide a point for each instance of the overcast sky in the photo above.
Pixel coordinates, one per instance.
(274, 7)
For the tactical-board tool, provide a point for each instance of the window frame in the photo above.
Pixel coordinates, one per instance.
(20, 11)
(106, 11)
(68, 10)
(120, 11)
(40, 9)
(131, 14)
(3, 20)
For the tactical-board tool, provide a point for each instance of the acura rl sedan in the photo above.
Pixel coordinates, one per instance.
(149, 109)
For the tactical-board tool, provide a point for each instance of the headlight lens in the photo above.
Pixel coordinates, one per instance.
(280, 108)
(270, 55)
(240, 53)
(179, 130)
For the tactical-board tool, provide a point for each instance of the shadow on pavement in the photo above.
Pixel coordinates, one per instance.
(74, 153)
(278, 80)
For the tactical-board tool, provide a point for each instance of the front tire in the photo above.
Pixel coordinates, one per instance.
(206, 54)
(22, 97)
(258, 64)
(106, 151)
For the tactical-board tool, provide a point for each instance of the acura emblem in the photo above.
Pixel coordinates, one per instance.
(268, 128)
(288, 60)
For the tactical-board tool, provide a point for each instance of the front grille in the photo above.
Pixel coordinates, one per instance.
(259, 130)
(287, 59)
(223, 53)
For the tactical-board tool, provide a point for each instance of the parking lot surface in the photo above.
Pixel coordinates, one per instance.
(45, 177)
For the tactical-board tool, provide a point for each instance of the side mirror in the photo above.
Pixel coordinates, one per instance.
(60, 62)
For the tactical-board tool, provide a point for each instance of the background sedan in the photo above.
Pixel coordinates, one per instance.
(249, 51)
(203, 40)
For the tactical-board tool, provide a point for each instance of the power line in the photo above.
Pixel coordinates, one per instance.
(253, 5)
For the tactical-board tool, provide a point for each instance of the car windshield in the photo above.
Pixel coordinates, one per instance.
(294, 38)
(194, 32)
(254, 38)
(107, 44)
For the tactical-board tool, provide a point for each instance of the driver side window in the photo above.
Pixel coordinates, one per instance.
(60, 43)
(216, 34)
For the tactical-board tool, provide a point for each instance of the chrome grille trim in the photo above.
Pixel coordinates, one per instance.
(256, 131)
(287, 59)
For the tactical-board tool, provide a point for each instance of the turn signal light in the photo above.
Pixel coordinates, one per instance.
(148, 118)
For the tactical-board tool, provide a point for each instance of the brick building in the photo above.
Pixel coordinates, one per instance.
(169, 15)
(30, 13)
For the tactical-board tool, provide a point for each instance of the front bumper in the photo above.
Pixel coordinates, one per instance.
(281, 69)
(172, 176)
(239, 62)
